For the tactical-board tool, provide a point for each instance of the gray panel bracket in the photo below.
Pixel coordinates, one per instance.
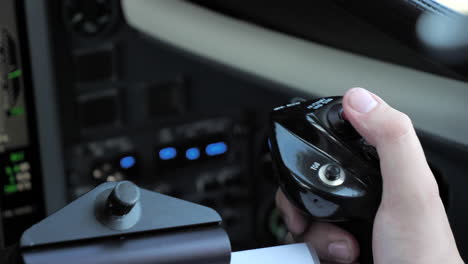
(153, 228)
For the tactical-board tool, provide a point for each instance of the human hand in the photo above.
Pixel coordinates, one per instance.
(411, 225)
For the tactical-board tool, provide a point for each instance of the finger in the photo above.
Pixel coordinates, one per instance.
(292, 216)
(331, 242)
(289, 239)
(405, 172)
(411, 204)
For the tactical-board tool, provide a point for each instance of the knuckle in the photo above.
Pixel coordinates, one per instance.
(427, 203)
(397, 126)
(280, 202)
(427, 198)
(431, 197)
(423, 202)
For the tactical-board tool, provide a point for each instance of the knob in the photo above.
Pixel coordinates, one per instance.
(332, 172)
(90, 17)
(339, 124)
(332, 175)
(123, 198)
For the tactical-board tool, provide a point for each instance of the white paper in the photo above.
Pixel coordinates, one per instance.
(287, 254)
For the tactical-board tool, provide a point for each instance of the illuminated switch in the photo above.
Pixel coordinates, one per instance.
(168, 153)
(127, 162)
(216, 149)
(128, 165)
(192, 153)
(24, 166)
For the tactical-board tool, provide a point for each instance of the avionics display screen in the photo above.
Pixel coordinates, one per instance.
(22, 203)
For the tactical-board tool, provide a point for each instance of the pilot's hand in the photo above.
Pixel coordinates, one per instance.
(411, 225)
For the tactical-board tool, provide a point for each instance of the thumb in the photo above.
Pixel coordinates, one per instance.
(405, 172)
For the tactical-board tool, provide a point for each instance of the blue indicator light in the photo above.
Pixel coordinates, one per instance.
(167, 153)
(192, 153)
(127, 162)
(215, 149)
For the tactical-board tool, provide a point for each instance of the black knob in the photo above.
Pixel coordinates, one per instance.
(89, 17)
(123, 198)
(339, 124)
(332, 175)
(332, 172)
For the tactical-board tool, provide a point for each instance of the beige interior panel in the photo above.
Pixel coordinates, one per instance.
(436, 104)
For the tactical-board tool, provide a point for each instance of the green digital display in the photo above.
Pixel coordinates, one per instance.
(14, 74)
(17, 156)
(17, 173)
(11, 187)
(16, 111)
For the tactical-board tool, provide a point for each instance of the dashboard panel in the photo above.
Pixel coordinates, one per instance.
(21, 192)
(181, 106)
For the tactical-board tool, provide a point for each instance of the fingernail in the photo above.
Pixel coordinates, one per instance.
(361, 100)
(340, 251)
